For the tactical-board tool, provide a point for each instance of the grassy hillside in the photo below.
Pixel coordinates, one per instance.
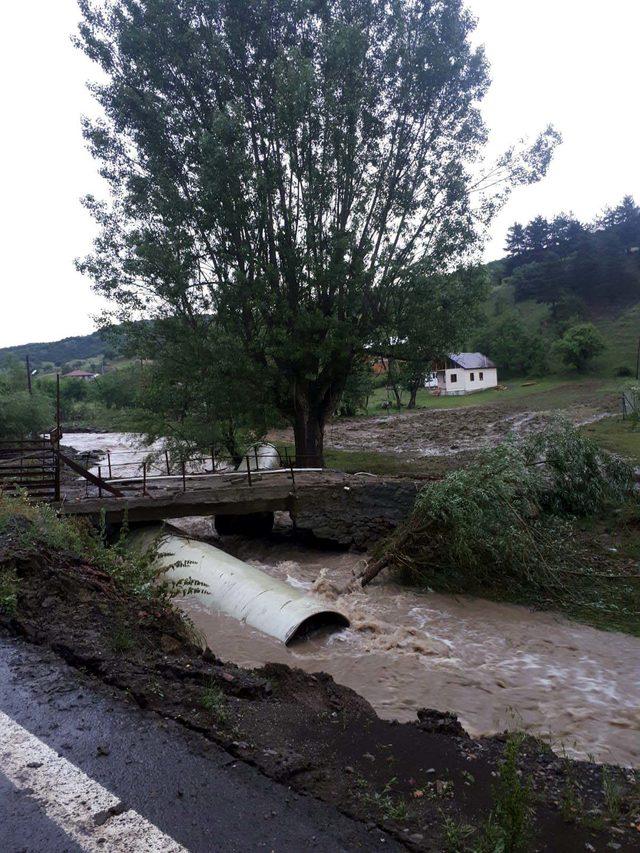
(619, 326)
(81, 348)
(621, 330)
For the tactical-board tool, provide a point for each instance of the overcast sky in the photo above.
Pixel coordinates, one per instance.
(570, 62)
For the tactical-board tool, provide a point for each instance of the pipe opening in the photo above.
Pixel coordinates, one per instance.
(316, 622)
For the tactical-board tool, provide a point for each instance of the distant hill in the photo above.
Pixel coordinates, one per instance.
(62, 352)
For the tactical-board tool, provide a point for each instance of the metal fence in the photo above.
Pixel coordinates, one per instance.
(138, 470)
(34, 466)
(31, 465)
(629, 406)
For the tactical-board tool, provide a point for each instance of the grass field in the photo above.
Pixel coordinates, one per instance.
(621, 332)
(618, 436)
(547, 392)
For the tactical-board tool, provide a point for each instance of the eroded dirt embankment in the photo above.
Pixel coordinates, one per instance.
(304, 730)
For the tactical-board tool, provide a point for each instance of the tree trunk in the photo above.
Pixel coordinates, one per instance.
(398, 395)
(413, 394)
(313, 403)
(308, 430)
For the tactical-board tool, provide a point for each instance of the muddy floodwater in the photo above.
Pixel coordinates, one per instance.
(497, 666)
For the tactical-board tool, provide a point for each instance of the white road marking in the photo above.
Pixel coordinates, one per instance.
(74, 801)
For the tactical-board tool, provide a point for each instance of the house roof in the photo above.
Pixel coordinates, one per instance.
(80, 374)
(471, 360)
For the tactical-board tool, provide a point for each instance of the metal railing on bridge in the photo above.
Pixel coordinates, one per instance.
(34, 467)
(140, 469)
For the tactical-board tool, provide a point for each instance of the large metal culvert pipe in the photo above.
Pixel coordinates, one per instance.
(241, 590)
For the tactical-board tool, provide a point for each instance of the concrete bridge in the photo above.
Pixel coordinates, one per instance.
(202, 494)
(345, 509)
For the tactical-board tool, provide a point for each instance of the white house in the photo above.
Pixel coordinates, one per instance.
(466, 372)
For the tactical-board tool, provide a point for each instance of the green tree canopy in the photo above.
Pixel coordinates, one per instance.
(580, 344)
(22, 414)
(280, 168)
(429, 320)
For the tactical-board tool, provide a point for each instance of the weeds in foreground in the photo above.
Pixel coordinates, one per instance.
(121, 639)
(389, 806)
(509, 826)
(571, 805)
(31, 527)
(8, 590)
(214, 701)
(612, 795)
(455, 834)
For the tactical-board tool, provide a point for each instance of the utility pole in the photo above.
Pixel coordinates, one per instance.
(29, 376)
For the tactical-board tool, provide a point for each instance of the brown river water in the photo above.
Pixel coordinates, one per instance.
(496, 666)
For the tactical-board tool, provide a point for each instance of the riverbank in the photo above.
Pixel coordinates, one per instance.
(426, 782)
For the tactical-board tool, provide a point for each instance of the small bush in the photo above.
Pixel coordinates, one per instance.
(624, 371)
(612, 794)
(121, 639)
(214, 701)
(512, 795)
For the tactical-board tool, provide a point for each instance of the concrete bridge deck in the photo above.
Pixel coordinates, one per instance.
(166, 497)
(350, 510)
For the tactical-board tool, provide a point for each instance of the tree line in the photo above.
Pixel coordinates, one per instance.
(562, 260)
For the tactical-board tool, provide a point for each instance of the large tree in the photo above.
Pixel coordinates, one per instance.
(281, 167)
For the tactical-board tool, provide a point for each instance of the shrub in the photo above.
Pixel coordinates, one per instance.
(23, 414)
(511, 817)
(8, 589)
(505, 524)
(624, 371)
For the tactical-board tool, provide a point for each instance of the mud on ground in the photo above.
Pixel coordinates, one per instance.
(457, 430)
(305, 731)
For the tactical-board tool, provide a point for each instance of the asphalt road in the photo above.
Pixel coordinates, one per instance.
(82, 769)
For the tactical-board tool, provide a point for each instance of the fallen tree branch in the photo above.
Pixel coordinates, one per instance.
(372, 570)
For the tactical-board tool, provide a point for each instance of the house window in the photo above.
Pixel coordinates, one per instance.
(472, 377)
(454, 377)
(481, 376)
